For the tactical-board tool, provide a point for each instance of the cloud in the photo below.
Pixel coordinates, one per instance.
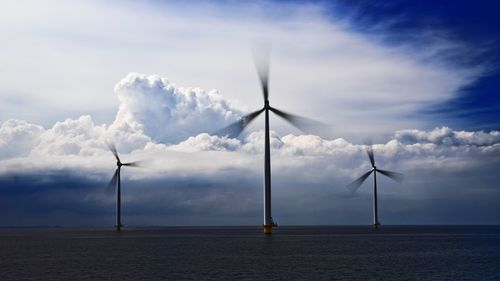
(18, 137)
(167, 114)
(206, 142)
(71, 137)
(155, 117)
(192, 177)
(320, 66)
(446, 136)
(208, 180)
(151, 110)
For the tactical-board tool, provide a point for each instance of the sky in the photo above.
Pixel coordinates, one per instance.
(159, 78)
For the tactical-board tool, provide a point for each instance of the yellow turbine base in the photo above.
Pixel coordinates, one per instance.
(376, 225)
(268, 229)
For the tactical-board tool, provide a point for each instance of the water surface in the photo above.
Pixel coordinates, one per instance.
(244, 253)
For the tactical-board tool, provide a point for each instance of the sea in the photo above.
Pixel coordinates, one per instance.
(245, 253)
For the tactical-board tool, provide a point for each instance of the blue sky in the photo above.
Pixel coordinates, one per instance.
(157, 78)
(472, 22)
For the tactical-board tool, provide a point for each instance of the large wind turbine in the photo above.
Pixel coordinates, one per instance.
(116, 180)
(357, 183)
(236, 128)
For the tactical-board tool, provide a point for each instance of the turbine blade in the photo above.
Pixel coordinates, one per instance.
(134, 164)
(369, 151)
(304, 124)
(393, 175)
(235, 129)
(112, 182)
(112, 147)
(357, 183)
(261, 53)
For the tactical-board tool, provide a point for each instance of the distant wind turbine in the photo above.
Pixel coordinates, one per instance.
(235, 129)
(357, 183)
(115, 180)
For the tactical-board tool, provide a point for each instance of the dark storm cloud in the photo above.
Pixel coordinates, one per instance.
(67, 198)
(40, 198)
(461, 194)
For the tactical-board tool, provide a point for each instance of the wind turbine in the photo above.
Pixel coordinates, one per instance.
(115, 180)
(357, 183)
(235, 129)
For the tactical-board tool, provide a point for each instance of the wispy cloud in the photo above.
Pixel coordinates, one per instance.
(319, 66)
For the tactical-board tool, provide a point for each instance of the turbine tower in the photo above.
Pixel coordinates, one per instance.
(357, 183)
(115, 181)
(236, 128)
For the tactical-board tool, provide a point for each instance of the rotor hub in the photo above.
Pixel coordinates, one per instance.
(266, 104)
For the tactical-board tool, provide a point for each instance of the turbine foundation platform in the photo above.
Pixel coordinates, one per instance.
(268, 229)
(376, 225)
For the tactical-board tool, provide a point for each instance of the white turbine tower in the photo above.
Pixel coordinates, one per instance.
(236, 128)
(357, 183)
(115, 181)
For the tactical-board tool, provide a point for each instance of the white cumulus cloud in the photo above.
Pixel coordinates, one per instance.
(155, 106)
(17, 138)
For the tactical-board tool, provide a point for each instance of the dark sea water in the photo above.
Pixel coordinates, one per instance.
(244, 253)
